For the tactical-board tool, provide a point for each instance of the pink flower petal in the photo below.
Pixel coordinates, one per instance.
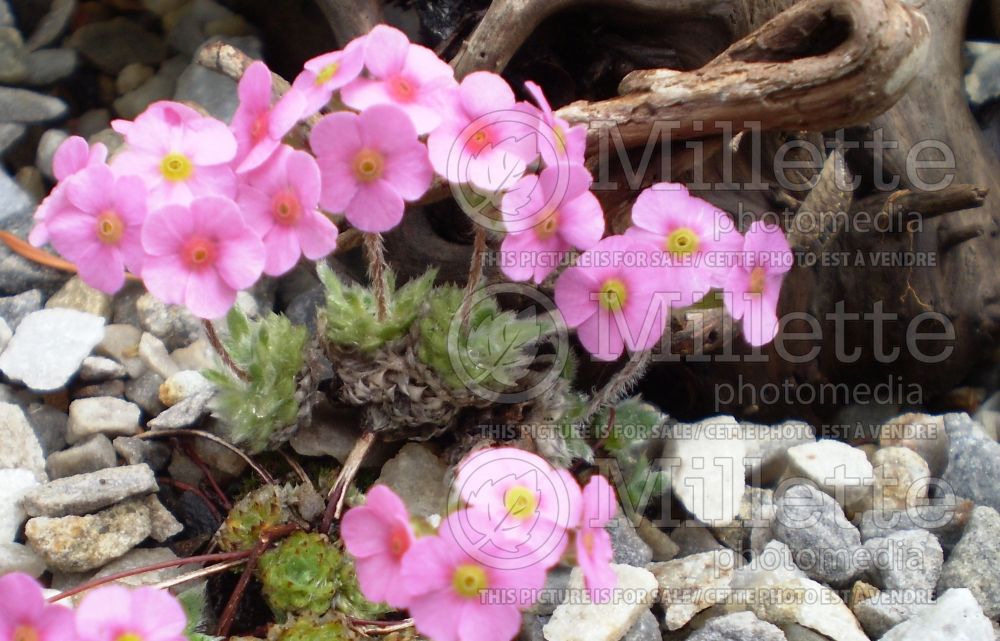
(317, 236)
(207, 295)
(601, 336)
(483, 92)
(337, 135)
(207, 141)
(409, 172)
(376, 207)
(435, 615)
(255, 88)
(102, 612)
(58, 624)
(387, 128)
(303, 172)
(71, 156)
(20, 598)
(385, 50)
(518, 256)
(340, 185)
(581, 221)
(488, 622)
(166, 230)
(103, 269)
(158, 613)
(92, 189)
(166, 277)
(282, 250)
(575, 296)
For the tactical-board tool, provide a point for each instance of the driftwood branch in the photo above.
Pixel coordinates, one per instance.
(822, 64)
(350, 18)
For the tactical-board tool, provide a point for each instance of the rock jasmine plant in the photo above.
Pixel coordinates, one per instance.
(199, 210)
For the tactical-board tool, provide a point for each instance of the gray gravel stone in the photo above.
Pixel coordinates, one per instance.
(198, 355)
(108, 388)
(159, 87)
(78, 295)
(741, 626)
(47, 145)
(172, 324)
(836, 468)
(975, 561)
(333, 433)
(813, 525)
(946, 520)
(49, 346)
(192, 28)
(554, 592)
(13, 309)
(49, 66)
(112, 44)
(693, 583)
(162, 522)
(691, 537)
(15, 557)
(121, 342)
(154, 355)
(886, 610)
(10, 133)
(12, 67)
(132, 77)
(20, 448)
(49, 425)
(925, 434)
(183, 385)
(768, 445)
(97, 369)
(145, 392)
(5, 334)
(417, 475)
(86, 493)
(21, 105)
(139, 558)
(6, 15)
(14, 202)
(973, 462)
(81, 543)
(14, 484)
(626, 543)
(752, 528)
(955, 617)
(647, 628)
(52, 25)
(137, 450)
(910, 560)
(183, 414)
(103, 415)
(96, 453)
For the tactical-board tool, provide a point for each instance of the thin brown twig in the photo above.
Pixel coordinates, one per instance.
(266, 538)
(215, 439)
(297, 467)
(184, 487)
(197, 460)
(111, 578)
(377, 269)
(335, 499)
(213, 339)
(197, 574)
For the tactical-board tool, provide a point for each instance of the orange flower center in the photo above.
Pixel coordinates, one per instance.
(479, 141)
(402, 89)
(548, 225)
(110, 227)
(399, 543)
(588, 542)
(259, 128)
(327, 73)
(25, 633)
(757, 280)
(368, 165)
(286, 208)
(199, 253)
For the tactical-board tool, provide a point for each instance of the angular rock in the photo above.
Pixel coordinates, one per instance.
(13, 309)
(15, 557)
(946, 519)
(975, 561)
(880, 613)
(52, 25)
(86, 493)
(97, 369)
(647, 628)
(659, 542)
(28, 107)
(333, 432)
(973, 461)
(19, 447)
(741, 626)
(172, 324)
(12, 67)
(49, 346)
(836, 468)
(112, 44)
(163, 524)
(139, 558)
(198, 355)
(706, 462)
(693, 583)
(910, 560)
(49, 66)
(183, 385)
(14, 484)
(184, 414)
(752, 528)
(813, 525)
(78, 295)
(581, 620)
(137, 450)
(924, 434)
(418, 477)
(108, 388)
(626, 544)
(144, 391)
(49, 425)
(96, 453)
(691, 537)
(768, 445)
(102, 415)
(901, 478)
(154, 356)
(5, 334)
(121, 342)
(955, 617)
(81, 543)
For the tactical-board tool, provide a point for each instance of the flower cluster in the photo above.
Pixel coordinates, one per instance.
(111, 613)
(488, 559)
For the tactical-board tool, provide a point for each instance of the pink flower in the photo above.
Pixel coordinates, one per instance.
(24, 615)
(546, 216)
(114, 613)
(279, 201)
(257, 126)
(457, 594)
(73, 155)
(698, 240)
(558, 141)
(327, 73)
(754, 284)
(403, 74)
(200, 255)
(593, 542)
(484, 140)
(521, 499)
(178, 153)
(371, 163)
(99, 224)
(611, 296)
(378, 534)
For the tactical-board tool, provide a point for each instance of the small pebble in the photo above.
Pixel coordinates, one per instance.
(96, 369)
(14, 484)
(20, 448)
(183, 385)
(49, 346)
(975, 561)
(104, 415)
(813, 525)
(96, 453)
(155, 356)
(86, 493)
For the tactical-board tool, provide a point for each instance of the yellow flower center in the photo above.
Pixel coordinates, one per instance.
(110, 227)
(327, 73)
(682, 241)
(286, 208)
(25, 633)
(469, 580)
(613, 295)
(757, 280)
(128, 636)
(199, 253)
(521, 503)
(548, 225)
(368, 165)
(588, 542)
(176, 167)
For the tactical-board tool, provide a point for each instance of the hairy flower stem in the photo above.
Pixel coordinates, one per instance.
(475, 274)
(267, 537)
(335, 499)
(621, 382)
(111, 578)
(377, 268)
(213, 339)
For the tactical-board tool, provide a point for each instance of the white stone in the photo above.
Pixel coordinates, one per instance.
(767, 448)
(706, 460)
(15, 557)
(19, 446)
(155, 356)
(49, 346)
(14, 484)
(956, 616)
(693, 583)
(182, 385)
(5, 334)
(580, 620)
(101, 415)
(836, 468)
